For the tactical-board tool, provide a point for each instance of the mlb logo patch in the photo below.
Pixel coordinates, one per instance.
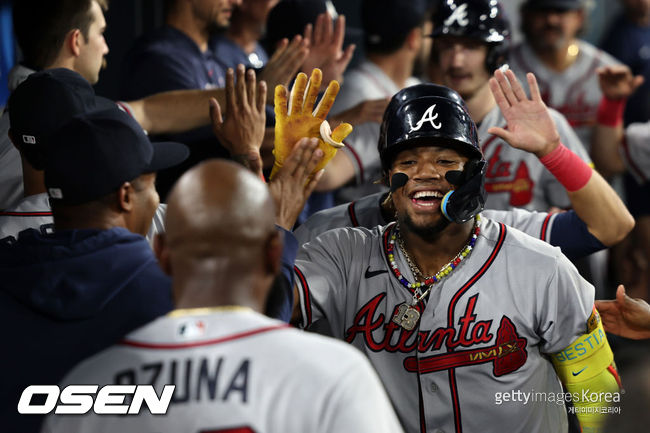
(29, 139)
(191, 329)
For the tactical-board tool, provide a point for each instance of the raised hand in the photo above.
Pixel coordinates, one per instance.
(325, 47)
(242, 132)
(617, 82)
(291, 186)
(285, 62)
(625, 316)
(296, 118)
(529, 123)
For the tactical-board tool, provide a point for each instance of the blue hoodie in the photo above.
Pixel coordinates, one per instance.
(65, 297)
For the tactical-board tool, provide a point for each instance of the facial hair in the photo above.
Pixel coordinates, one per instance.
(429, 233)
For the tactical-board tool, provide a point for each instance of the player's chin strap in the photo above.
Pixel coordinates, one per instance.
(468, 199)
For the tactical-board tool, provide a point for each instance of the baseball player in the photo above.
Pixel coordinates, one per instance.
(454, 309)
(597, 207)
(235, 370)
(564, 65)
(471, 40)
(32, 117)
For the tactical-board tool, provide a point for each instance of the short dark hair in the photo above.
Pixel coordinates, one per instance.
(41, 26)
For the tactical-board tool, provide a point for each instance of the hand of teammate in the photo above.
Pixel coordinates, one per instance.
(242, 131)
(371, 110)
(625, 316)
(291, 186)
(297, 118)
(284, 63)
(617, 82)
(530, 126)
(325, 47)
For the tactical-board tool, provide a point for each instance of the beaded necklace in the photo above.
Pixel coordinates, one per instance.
(407, 316)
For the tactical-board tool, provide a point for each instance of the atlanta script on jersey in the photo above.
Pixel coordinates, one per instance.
(485, 329)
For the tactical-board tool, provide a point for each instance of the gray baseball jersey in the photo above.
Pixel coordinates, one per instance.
(366, 212)
(34, 212)
(11, 169)
(485, 329)
(366, 82)
(237, 371)
(635, 151)
(574, 92)
(516, 178)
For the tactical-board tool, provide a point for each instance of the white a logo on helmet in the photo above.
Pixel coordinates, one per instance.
(428, 116)
(459, 15)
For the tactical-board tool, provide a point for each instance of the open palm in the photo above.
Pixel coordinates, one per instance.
(529, 123)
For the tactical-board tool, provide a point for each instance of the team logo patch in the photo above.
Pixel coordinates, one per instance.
(55, 193)
(428, 116)
(191, 329)
(459, 15)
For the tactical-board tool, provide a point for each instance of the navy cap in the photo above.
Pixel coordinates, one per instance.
(565, 5)
(96, 152)
(44, 102)
(386, 23)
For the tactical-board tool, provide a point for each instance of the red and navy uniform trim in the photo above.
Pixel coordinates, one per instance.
(306, 297)
(26, 214)
(174, 346)
(353, 215)
(542, 234)
(358, 161)
(450, 320)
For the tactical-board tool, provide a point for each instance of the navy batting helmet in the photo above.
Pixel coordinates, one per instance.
(483, 20)
(429, 115)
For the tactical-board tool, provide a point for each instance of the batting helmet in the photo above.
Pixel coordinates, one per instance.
(429, 115)
(433, 115)
(483, 20)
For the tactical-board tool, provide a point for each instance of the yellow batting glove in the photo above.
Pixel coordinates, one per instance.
(298, 118)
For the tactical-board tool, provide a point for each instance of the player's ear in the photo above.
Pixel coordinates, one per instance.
(125, 196)
(414, 39)
(162, 253)
(73, 41)
(273, 254)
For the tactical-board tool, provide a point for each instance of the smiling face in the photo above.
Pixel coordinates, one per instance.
(418, 202)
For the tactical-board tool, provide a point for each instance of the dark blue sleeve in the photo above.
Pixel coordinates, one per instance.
(570, 233)
(279, 303)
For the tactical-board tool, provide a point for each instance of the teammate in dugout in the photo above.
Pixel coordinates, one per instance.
(471, 40)
(452, 307)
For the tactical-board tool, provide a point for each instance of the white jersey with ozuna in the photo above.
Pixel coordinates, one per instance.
(485, 329)
(574, 92)
(236, 371)
(516, 178)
